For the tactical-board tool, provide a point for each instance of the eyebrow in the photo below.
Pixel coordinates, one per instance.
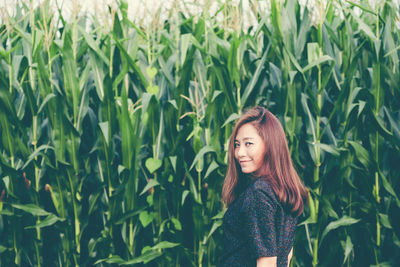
(245, 139)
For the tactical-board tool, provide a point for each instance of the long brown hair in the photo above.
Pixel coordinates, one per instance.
(277, 168)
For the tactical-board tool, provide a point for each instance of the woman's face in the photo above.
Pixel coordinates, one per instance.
(249, 148)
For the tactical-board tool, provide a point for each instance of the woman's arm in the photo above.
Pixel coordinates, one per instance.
(266, 262)
(290, 256)
(271, 261)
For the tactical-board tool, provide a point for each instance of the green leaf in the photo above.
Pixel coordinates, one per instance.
(361, 153)
(151, 72)
(146, 218)
(389, 43)
(98, 76)
(232, 117)
(351, 99)
(92, 44)
(45, 100)
(219, 82)
(329, 209)
(173, 162)
(201, 153)
(200, 72)
(215, 95)
(377, 121)
(128, 215)
(111, 259)
(132, 63)
(193, 188)
(317, 62)
(388, 187)
(211, 168)
(276, 19)
(312, 52)
(7, 213)
(185, 38)
(32, 209)
(49, 220)
(121, 169)
(150, 184)
(29, 92)
(344, 221)
(347, 247)
(254, 79)
(165, 244)
(304, 103)
(295, 62)
(366, 9)
(104, 126)
(2, 249)
(309, 220)
(184, 195)
(153, 164)
(153, 89)
(292, 74)
(6, 180)
(127, 131)
(232, 61)
(364, 27)
(177, 224)
(382, 264)
(214, 227)
(361, 106)
(330, 149)
(145, 258)
(220, 215)
(275, 76)
(36, 153)
(384, 219)
(394, 125)
(173, 103)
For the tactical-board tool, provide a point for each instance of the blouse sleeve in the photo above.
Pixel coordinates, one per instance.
(259, 227)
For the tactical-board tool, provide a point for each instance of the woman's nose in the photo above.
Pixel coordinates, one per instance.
(241, 151)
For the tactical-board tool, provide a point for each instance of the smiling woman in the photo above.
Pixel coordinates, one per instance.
(263, 193)
(114, 115)
(249, 149)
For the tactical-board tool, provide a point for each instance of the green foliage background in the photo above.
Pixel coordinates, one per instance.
(113, 139)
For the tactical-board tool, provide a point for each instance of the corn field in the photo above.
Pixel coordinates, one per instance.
(113, 145)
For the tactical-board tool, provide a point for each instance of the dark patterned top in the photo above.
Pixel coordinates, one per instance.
(256, 225)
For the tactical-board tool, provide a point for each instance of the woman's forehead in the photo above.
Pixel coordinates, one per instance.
(245, 139)
(247, 131)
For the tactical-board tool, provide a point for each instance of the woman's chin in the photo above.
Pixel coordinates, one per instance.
(247, 170)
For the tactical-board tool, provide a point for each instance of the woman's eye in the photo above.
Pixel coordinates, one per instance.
(236, 145)
(248, 143)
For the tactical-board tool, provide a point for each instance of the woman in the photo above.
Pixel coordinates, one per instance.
(263, 193)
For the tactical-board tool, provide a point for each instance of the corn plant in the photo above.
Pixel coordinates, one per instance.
(114, 135)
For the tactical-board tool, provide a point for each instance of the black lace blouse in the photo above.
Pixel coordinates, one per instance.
(256, 225)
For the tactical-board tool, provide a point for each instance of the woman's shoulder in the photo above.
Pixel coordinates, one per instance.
(261, 189)
(261, 184)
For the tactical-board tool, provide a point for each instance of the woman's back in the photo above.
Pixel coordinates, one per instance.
(256, 225)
